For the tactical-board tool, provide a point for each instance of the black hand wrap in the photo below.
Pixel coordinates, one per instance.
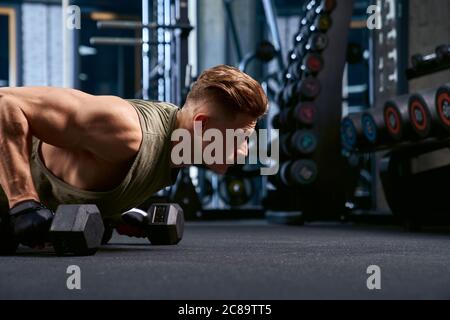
(31, 222)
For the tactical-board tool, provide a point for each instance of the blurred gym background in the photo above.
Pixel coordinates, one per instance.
(319, 63)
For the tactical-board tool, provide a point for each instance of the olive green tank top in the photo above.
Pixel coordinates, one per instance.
(150, 171)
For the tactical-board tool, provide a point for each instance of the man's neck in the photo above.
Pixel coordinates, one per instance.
(179, 124)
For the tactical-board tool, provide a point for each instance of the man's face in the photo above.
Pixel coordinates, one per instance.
(235, 144)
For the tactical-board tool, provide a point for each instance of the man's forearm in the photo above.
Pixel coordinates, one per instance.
(15, 149)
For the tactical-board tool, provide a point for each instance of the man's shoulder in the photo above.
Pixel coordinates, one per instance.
(153, 104)
(157, 117)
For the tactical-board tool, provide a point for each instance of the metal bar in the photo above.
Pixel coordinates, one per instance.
(246, 61)
(124, 24)
(145, 51)
(270, 12)
(67, 45)
(234, 33)
(121, 41)
(115, 41)
(182, 47)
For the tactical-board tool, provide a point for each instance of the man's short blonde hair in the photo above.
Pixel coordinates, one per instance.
(232, 89)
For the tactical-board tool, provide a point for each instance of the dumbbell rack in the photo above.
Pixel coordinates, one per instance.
(314, 177)
(415, 129)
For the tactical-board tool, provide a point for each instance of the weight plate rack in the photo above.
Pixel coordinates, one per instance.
(314, 176)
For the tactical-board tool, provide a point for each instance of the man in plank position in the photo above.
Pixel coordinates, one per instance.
(66, 146)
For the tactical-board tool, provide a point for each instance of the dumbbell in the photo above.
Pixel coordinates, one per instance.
(443, 106)
(300, 173)
(374, 128)
(430, 112)
(303, 115)
(301, 142)
(312, 64)
(420, 61)
(306, 89)
(318, 7)
(352, 134)
(265, 51)
(309, 88)
(163, 222)
(8, 244)
(443, 52)
(317, 42)
(77, 229)
(423, 115)
(235, 191)
(322, 23)
(397, 118)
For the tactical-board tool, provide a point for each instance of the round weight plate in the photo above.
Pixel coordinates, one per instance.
(369, 128)
(235, 191)
(283, 173)
(348, 133)
(303, 172)
(284, 144)
(318, 42)
(443, 106)
(392, 120)
(305, 113)
(265, 51)
(310, 87)
(324, 22)
(329, 5)
(304, 142)
(313, 63)
(419, 116)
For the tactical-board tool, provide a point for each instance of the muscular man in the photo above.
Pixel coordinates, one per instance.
(66, 146)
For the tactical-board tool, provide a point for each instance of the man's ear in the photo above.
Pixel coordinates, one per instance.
(203, 118)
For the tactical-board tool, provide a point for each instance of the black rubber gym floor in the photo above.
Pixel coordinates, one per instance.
(244, 260)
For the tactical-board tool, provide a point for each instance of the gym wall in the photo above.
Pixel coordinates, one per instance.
(429, 25)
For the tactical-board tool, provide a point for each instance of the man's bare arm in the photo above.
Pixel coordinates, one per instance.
(106, 126)
(69, 118)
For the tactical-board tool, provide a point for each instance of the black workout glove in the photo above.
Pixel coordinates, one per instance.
(31, 222)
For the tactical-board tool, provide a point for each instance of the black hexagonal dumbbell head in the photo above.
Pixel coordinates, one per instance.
(165, 223)
(8, 244)
(77, 229)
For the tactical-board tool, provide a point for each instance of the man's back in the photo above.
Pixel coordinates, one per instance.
(83, 149)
